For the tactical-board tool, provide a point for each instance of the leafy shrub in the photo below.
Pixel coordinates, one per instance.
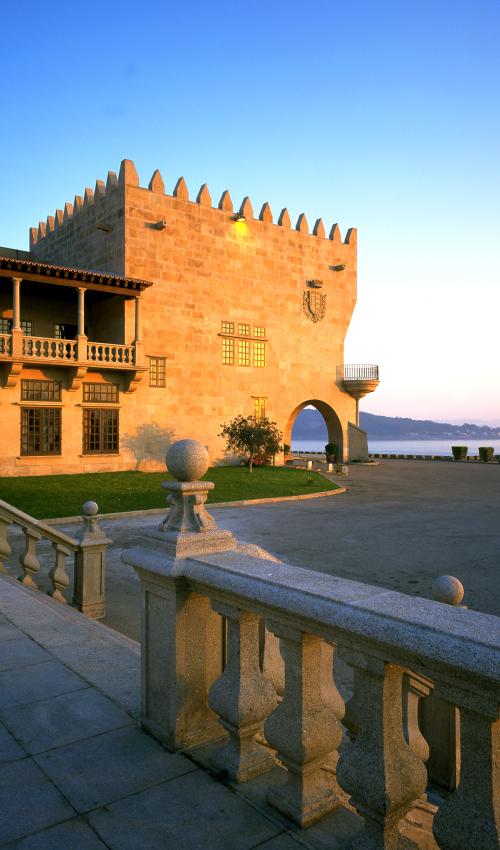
(331, 450)
(459, 452)
(486, 453)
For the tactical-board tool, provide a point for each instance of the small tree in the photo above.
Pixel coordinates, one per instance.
(256, 438)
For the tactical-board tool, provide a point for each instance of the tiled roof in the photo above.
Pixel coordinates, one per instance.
(44, 270)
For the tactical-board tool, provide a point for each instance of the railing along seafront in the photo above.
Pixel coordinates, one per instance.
(208, 603)
(358, 372)
(89, 551)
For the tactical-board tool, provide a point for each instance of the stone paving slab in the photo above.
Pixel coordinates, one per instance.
(99, 770)
(118, 788)
(74, 834)
(34, 682)
(28, 800)
(23, 651)
(9, 748)
(170, 815)
(63, 719)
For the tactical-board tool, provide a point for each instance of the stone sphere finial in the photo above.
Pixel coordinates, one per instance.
(90, 508)
(187, 460)
(447, 589)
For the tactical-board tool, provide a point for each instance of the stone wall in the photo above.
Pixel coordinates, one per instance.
(207, 269)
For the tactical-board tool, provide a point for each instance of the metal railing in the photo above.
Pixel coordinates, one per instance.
(357, 372)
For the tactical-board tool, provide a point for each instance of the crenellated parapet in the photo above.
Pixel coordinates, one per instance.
(100, 211)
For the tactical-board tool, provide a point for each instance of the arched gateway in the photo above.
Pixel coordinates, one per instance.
(332, 421)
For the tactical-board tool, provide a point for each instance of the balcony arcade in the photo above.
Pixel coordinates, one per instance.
(52, 315)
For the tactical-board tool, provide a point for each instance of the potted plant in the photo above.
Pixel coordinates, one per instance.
(486, 453)
(459, 452)
(331, 451)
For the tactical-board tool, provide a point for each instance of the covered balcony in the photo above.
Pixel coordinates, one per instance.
(58, 316)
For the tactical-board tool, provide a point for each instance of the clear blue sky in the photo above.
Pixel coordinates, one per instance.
(380, 115)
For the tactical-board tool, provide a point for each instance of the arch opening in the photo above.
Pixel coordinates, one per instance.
(333, 429)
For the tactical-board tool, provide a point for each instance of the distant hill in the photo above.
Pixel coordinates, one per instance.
(310, 425)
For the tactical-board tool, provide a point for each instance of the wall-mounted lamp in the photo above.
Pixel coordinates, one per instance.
(157, 225)
(338, 268)
(239, 217)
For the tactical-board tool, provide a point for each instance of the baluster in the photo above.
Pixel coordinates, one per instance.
(5, 548)
(470, 818)
(304, 729)
(29, 560)
(242, 697)
(58, 576)
(380, 771)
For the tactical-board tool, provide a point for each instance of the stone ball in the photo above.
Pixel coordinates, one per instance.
(447, 589)
(187, 460)
(90, 508)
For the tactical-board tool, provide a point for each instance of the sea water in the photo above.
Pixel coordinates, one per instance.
(406, 447)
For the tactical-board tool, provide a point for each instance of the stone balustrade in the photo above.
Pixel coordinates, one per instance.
(107, 352)
(89, 551)
(46, 348)
(214, 613)
(5, 344)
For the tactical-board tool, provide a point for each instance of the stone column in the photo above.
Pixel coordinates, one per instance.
(17, 334)
(81, 336)
(380, 771)
(137, 333)
(305, 729)
(242, 697)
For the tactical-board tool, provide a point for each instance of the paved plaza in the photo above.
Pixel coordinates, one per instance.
(399, 525)
(76, 769)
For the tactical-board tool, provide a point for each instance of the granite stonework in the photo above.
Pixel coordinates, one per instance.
(187, 683)
(216, 318)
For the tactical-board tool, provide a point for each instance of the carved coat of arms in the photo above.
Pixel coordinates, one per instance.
(314, 305)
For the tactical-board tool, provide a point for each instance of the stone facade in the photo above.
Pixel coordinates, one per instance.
(253, 290)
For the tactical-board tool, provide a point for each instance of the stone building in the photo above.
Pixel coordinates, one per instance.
(139, 317)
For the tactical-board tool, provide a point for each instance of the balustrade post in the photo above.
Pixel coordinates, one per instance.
(5, 548)
(181, 635)
(242, 697)
(29, 560)
(305, 729)
(90, 565)
(470, 818)
(58, 576)
(380, 771)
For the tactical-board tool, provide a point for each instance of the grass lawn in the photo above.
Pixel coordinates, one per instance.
(47, 496)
